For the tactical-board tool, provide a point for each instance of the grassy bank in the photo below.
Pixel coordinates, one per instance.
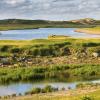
(89, 93)
(95, 95)
(61, 73)
(94, 30)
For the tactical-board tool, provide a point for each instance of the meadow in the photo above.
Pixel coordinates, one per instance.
(94, 30)
(49, 47)
(20, 70)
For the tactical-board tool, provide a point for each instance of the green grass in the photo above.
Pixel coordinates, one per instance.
(93, 30)
(50, 48)
(95, 95)
(60, 73)
(97, 29)
(47, 41)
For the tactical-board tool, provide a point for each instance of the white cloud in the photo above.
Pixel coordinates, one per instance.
(14, 2)
(50, 9)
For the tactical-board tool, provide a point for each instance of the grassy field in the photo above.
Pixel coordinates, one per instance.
(94, 30)
(49, 41)
(97, 29)
(50, 47)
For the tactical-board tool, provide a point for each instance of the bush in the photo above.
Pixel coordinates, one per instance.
(48, 88)
(86, 98)
(36, 90)
(15, 50)
(4, 48)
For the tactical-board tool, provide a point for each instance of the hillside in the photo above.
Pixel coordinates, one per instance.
(84, 21)
(23, 21)
(13, 24)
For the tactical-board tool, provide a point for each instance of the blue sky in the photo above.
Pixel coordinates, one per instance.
(50, 9)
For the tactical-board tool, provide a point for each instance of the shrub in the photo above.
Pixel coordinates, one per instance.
(4, 48)
(15, 50)
(48, 88)
(86, 98)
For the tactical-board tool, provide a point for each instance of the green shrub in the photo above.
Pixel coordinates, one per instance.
(86, 98)
(48, 88)
(5, 48)
(16, 50)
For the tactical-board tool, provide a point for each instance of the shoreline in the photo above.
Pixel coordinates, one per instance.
(69, 94)
(88, 31)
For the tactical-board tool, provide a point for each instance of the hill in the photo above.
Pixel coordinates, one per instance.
(87, 21)
(14, 24)
(24, 21)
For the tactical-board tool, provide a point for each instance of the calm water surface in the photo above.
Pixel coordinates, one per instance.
(42, 33)
(23, 87)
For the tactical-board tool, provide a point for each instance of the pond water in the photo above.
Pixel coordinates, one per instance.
(23, 87)
(42, 33)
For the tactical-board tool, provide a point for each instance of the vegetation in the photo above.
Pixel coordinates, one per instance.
(46, 89)
(55, 58)
(94, 95)
(52, 46)
(61, 73)
(86, 98)
(94, 30)
(87, 91)
(12, 24)
(85, 85)
(57, 37)
(23, 61)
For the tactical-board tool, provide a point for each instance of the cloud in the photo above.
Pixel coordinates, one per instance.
(50, 9)
(14, 2)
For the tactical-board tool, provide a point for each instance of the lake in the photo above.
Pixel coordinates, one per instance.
(23, 87)
(42, 33)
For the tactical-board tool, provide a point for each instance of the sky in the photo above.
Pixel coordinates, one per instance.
(49, 9)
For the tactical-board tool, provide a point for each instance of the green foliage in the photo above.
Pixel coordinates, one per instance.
(46, 89)
(44, 47)
(63, 72)
(51, 48)
(86, 98)
(4, 48)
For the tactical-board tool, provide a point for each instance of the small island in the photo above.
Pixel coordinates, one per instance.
(57, 37)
